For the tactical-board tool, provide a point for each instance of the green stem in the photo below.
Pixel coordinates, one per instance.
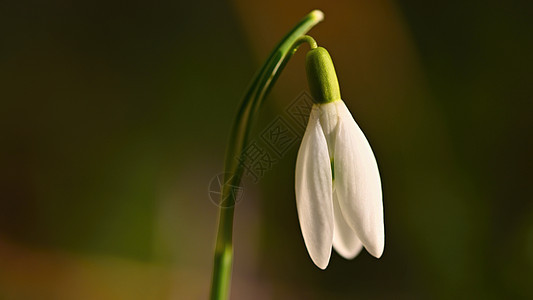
(304, 39)
(258, 89)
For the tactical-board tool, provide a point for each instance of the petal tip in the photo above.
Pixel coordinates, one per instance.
(321, 262)
(322, 266)
(376, 250)
(349, 256)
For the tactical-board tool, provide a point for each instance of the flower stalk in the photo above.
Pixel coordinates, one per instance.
(257, 91)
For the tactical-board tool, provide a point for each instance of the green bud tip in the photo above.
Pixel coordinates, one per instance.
(321, 76)
(318, 14)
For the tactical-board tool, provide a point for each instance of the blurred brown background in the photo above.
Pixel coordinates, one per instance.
(114, 118)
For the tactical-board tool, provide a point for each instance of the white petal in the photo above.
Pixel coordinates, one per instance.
(345, 240)
(328, 118)
(314, 193)
(358, 184)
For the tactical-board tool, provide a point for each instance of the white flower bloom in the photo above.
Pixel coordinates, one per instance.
(338, 188)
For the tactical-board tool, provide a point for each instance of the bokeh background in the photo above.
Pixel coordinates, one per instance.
(114, 118)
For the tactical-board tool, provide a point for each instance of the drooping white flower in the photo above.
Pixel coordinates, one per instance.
(338, 187)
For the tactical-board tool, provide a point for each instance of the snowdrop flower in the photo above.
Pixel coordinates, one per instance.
(338, 188)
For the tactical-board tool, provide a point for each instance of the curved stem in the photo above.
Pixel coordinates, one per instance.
(258, 89)
(305, 39)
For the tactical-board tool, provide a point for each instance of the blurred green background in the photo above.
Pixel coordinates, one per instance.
(114, 118)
